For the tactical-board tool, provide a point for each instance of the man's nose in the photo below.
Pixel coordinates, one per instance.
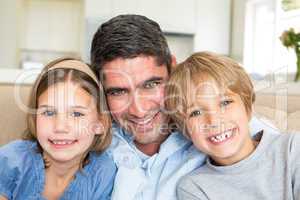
(139, 106)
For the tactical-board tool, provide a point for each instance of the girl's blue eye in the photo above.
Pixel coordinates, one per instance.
(48, 113)
(77, 114)
(195, 113)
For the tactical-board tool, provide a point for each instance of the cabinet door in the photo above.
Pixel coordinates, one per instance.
(52, 25)
(174, 16)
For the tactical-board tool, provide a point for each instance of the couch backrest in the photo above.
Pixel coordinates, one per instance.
(13, 118)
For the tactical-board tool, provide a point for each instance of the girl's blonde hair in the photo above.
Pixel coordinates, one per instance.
(85, 78)
(200, 67)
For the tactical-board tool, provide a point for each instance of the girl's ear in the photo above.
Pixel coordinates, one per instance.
(103, 125)
(98, 128)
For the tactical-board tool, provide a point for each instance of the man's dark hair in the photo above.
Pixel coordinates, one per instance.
(129, 36)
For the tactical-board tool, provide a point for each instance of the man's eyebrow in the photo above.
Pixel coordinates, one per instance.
(152, 79)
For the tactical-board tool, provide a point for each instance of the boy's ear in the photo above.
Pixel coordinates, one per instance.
(249, 113)
(173, 61)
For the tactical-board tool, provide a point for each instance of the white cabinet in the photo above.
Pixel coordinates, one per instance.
(52, 25)
(213, 30)
(174, 16)
(9, 33)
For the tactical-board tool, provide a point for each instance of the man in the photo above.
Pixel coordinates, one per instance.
(132, 58)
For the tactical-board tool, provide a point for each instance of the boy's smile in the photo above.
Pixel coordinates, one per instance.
(219, 138)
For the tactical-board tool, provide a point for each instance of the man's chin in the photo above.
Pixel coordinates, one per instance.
(149, 137)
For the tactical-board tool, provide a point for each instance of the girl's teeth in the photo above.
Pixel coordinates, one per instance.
(62, 142)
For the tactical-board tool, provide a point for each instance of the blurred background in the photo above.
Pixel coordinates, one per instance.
(33, 32)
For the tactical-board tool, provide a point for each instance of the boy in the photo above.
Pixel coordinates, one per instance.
(210, 98)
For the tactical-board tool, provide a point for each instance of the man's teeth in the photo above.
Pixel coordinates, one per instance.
(62, 142)
(221, 137)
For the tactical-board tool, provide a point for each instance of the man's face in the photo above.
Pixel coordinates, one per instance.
(135, 95)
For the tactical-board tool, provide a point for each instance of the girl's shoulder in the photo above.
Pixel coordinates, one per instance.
(96, 179)
(102, 171)
(18, 146)
(16, 160)
(101, 162)
(16, 152)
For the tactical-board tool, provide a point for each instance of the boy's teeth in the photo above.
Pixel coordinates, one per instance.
(221, 137)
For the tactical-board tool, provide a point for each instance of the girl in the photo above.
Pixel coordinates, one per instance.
(62, 154)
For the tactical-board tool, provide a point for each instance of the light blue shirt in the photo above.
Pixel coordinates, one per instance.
(151, 177)
(142, 177)
(22, 175)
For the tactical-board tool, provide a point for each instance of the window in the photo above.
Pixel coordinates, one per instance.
(263, 52)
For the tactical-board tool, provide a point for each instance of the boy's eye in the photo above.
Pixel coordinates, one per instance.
(151, 84)
(48, 113)
(225, 103)
(196, 113)
(77, 114)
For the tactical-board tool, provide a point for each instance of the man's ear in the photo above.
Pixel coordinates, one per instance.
(173, 62)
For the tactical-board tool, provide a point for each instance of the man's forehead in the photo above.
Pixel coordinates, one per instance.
(132, 70)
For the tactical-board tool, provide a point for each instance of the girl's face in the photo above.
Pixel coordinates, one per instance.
(217, 123)
(67, 121)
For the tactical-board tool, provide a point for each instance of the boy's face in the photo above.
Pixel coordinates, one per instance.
(217, 123)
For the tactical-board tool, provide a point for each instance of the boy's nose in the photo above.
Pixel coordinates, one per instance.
(213, 119)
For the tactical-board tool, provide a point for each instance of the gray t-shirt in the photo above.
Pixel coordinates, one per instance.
(272, 172)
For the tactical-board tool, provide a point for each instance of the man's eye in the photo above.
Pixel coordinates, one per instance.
(151, 84)
(116, 92)
(48, 113)
(77, 114)
(196, 113)
(225, 103)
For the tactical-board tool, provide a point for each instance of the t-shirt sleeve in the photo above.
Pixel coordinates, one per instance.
(187, 190)
(295, 162)
(9, 169)
(105, 178)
